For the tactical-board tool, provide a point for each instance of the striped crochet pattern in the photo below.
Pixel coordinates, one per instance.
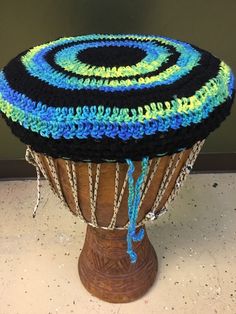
(111, 97)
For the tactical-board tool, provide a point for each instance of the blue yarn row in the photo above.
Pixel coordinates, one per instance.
(37, 66)
(69, 55)
(95, 121)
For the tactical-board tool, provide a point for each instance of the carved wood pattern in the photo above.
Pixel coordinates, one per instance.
(105, 269)
(104, 266)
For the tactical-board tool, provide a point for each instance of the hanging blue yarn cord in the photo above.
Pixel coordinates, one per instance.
(133, 204)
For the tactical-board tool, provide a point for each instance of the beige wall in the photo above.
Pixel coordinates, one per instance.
(210, 24)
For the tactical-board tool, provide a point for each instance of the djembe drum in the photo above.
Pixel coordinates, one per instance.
(115, 123)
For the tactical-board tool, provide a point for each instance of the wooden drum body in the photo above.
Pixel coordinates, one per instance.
(98, 194)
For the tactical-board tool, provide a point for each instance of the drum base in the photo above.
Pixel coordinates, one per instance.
(105, 269)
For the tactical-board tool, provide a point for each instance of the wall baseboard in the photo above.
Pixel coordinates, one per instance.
(206, 163)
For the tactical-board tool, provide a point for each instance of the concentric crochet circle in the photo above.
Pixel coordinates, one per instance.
(112, 97)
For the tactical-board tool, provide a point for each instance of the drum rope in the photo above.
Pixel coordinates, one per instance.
(33, 158)
(166, 180)
(117, 200)
(93, 192)
(154, 170)
(133, 205)
(71, 173)
(145, 179)
(52, 167)
(155, 213)
(36, 162)
(186, 169)
(144, 188)
(164, 183)
(115, 207)
(31, 161)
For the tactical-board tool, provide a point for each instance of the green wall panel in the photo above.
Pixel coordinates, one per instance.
(210, 24)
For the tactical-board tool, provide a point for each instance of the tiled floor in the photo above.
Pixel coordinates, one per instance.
(195, 243)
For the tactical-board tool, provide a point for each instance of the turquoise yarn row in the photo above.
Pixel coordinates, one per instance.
(133, 204)
(125, 123)
(34, 62)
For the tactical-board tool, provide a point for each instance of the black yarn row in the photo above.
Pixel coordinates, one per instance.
(20, 80)
(112, 56)
(94, 56)
(118, 150)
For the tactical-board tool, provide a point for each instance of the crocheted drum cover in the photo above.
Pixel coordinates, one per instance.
(112, 97)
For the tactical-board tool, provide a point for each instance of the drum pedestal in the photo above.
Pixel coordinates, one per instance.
(105, 269)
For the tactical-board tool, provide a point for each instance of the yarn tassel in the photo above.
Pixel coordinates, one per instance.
(133, 204)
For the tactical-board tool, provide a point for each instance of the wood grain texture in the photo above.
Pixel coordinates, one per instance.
(105, 269)
(106, 187)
